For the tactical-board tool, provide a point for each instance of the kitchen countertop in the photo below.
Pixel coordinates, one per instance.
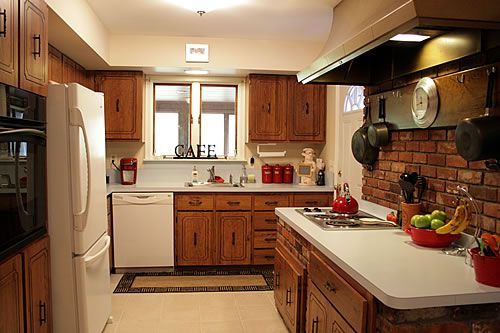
(401, 274)
(256, 187)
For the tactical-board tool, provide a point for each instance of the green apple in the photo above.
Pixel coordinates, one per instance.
(413, 219)
(423, 222)
(438, 214)
(429, 216)
(436, 224)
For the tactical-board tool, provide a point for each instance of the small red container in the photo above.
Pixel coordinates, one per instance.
(128, 170)
(288, 174)
(267, 174)
(429, 238)
(487, 269)
(277, 174)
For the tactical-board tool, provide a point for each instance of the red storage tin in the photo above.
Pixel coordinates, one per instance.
(267, 174)
(487, 269)
(277, 174)
(288, 174)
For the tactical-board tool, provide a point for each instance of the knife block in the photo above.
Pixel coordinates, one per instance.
(408, 210)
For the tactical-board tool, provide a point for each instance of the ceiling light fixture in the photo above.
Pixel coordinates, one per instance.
(202, 7)
(196, 71)
(409, 38)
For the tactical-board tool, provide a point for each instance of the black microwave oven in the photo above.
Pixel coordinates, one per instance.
(23, 189)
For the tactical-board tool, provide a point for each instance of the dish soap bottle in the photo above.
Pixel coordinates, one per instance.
(194, 175)
(243, 177)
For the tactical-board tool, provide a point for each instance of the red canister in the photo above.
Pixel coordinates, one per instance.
(267, 174)
(288, 174)
(277, 174)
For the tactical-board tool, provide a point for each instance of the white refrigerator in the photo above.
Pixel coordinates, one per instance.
(77, 217)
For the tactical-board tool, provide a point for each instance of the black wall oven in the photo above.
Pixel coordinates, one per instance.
(23, 194)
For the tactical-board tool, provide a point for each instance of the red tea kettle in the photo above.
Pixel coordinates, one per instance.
(345, 204)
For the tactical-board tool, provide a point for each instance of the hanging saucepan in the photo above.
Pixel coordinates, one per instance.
(378, 134)
(478, 138)
(363, 152)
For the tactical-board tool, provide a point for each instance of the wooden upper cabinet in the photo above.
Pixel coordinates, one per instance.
(123, 95)
(267, 108)
(9, 41)
(68, 70)
(33, 46)
(306, 112)
(55, 65)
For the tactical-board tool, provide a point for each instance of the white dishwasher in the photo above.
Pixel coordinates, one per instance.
(143, 229)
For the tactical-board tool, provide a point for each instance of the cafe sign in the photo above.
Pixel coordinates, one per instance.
(182, 152)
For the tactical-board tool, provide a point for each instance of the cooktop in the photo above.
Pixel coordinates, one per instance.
(329, 220)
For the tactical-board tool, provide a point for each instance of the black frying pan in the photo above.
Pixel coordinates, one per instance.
(378, 134)
(478, 138)
(363, 152)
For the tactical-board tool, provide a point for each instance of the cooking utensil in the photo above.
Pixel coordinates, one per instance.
(408, 188)
(363, 152)
(429, 238)
(492, 242)
(345, 204)
(413, 177)
(477, 138)
(378, 134)
(421, 185)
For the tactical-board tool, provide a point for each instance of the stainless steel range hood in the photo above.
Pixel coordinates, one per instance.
(359, 50)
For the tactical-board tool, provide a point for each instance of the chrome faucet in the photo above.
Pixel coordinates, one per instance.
(211, 171)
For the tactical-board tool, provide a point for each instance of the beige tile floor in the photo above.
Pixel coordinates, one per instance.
(231, 312)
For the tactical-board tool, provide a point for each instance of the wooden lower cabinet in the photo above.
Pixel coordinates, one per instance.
(321, 316)
(289, 294)
(11, 295)
(234, 231)
(194, 238)
(26, 273)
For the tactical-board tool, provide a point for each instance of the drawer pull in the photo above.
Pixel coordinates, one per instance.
(289, 298)
(233, 203)
(43, 312)
(269, 239)
(233, 238)
(195, 202)
(277, 282)
(4, 31)
(330, 287)
(195, 239)
(269, 257)
(273, 203)
(117, 105)
(311, 202)
(271, 220)
(315, 325)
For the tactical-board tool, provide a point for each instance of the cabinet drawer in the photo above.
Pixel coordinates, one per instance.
(233, 202)
(269, 202)
(347, 301)
(311, 200)
(263, 256)
(194, 201)
(264, 221)
(264, 239)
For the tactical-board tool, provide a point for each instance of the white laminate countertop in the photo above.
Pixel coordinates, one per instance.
(401, 274)
(256, 187)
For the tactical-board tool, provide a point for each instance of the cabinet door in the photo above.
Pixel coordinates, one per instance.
(194, 238)
(317, 309)
(234, 235)
(306, 111)
(37, 279)
(279, 295)
(55, 65)
(123, 92)
(11, 295)
(68, 70)
(33, 56)
(8, 41)
(267, 108)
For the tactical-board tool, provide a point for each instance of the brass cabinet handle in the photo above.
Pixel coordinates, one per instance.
(43, 312)
(195, 202)
(271, 220)
(271, 203)
(4, 31)
(36, 38)
(330, 287)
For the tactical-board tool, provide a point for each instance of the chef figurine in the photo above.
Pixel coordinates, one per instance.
(309, 157)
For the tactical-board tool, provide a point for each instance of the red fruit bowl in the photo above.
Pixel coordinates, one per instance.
(429, 238)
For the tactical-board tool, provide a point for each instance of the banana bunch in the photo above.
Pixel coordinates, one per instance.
(460, 221)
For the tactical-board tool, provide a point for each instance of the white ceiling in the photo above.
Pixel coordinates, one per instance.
(307, 20)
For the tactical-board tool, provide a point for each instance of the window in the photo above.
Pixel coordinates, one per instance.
(354, 100)
(192, 114)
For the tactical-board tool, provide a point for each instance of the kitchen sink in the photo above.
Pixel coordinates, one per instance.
(210, 184)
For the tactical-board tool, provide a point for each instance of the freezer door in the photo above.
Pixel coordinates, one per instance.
(93, 287)
(87, 166)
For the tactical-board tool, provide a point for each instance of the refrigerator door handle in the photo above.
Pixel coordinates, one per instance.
(81, 216)
(91, 259)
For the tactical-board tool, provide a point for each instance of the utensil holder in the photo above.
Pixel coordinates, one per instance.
(408, 211)
(487, 269)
